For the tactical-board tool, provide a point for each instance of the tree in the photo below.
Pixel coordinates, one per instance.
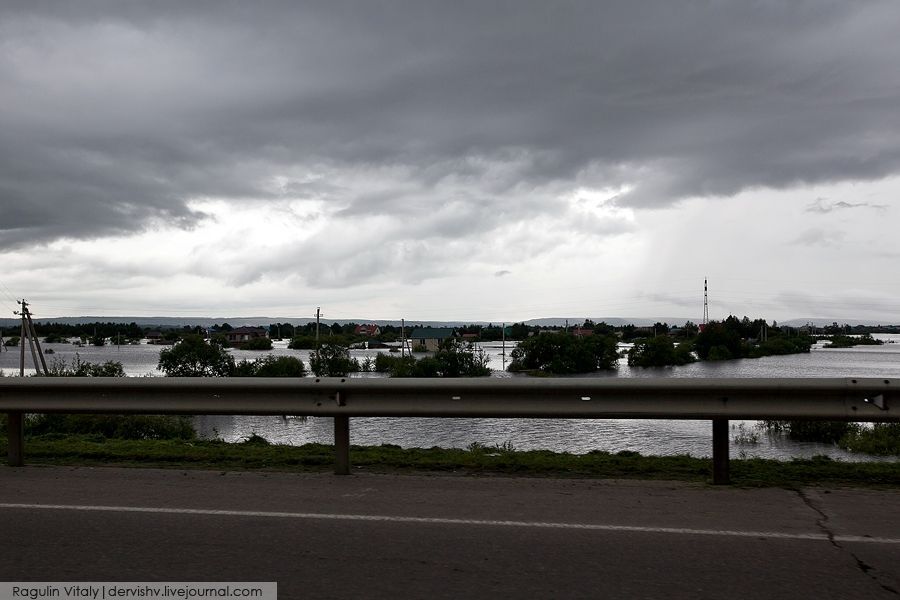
(719, 341)
(456, 359)
(659, 351)
(517, 331)
(195, 357)
(562, 354)
(332, 360)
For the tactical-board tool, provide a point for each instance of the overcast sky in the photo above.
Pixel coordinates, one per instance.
(451, 160)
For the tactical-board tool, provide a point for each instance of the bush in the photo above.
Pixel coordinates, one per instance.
(562, 354)
(126, 427)
(13, 341)
(271, 366)
(882, 439)
(83, 368)
(827, 432)
(195, 357)
(454, 359)
(302, 342)
(660, 351)
(332, 360)
(260, 343)
(780, 346)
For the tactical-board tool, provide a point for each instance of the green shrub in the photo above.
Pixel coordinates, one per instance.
(332, 360)
(882, 439)
(271, 366)
(260, 343)
(83, 368)
(453, 359)
(562, 354)
(457, 359)
(302, 342)
(660, 351)
(827, 432)
(126, 427)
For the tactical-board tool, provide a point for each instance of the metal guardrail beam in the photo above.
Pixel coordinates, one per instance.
(832, 399)
(717, 400)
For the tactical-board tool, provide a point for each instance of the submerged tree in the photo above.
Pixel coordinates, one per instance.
(195, 357)
(562, 354)
(659, 351)
(332, 360)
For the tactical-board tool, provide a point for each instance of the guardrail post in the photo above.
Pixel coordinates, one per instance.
(15, 436)
(342, 445)
(720, 451)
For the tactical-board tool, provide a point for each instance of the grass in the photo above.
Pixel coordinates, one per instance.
(257, 454)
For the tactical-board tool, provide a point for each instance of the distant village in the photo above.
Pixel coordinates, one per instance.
(371, 335)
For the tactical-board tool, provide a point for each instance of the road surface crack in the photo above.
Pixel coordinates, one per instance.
(822, 523)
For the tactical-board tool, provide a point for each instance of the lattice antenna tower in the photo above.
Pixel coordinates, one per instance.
(705, 303)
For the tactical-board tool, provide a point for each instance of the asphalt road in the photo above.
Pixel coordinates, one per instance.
(387, 536)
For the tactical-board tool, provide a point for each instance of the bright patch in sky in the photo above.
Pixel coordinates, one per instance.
(451, 162)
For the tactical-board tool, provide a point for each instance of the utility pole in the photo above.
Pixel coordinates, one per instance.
(705, 303)
(29, 333)
(402, 337)
(22, 338)
(318, 315)
(503, 334)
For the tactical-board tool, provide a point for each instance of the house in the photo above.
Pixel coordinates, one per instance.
(582, 331)
(157, 338)
(244, 334)
(367, 330)
(431, 337)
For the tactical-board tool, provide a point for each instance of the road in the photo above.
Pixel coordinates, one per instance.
(419, 536)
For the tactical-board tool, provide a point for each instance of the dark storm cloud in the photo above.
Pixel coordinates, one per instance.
(114, 115)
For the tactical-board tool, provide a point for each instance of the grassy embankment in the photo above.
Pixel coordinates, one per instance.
(154, 441)
(256, 454)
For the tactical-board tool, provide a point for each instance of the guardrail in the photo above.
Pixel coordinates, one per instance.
(717, 400)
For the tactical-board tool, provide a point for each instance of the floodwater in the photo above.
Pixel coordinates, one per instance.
(649, 437)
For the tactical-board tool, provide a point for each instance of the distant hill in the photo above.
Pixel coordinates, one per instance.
(821, 322)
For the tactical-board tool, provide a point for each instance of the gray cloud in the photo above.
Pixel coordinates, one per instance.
(502, 273)
(116, 115)
(822, 206)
